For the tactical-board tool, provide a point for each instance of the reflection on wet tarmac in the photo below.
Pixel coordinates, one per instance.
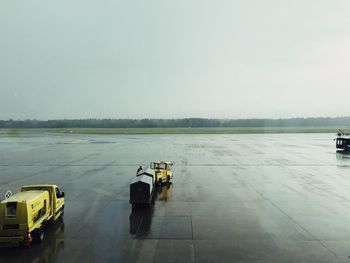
(141, 217)
(140, 220)
(343, 155)
(163, 193)
(44, 252)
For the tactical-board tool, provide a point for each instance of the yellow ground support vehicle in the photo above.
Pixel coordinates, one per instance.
(163, 171)
(23, 216)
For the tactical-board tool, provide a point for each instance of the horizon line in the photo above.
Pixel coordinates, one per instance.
(185, 118)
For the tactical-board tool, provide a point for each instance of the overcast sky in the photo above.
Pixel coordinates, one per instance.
(165, 59)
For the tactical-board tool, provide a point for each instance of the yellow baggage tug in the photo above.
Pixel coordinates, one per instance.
(163, 171)
(23, 216)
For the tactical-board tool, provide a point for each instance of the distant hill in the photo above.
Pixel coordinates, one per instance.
(178, 123)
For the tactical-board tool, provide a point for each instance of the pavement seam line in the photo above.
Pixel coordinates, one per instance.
(194, 251)
(295, 222)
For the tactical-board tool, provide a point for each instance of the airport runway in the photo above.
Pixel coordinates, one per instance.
(234, 198)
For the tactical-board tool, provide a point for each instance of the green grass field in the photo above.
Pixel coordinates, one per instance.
(144, 131)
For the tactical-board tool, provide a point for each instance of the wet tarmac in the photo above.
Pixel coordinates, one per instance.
(234, 198)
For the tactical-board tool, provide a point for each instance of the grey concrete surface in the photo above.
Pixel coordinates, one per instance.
(234, 198)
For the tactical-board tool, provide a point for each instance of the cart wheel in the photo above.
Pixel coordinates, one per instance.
(39, 234)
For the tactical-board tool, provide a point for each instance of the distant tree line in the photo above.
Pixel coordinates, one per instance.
(176, 123)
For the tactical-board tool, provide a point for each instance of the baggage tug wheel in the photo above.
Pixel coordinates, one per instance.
(62, 214)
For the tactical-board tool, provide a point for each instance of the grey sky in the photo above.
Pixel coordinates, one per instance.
(183, 58)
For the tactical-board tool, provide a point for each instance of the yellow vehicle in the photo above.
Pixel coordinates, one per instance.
(23, 216)
(163, 171)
